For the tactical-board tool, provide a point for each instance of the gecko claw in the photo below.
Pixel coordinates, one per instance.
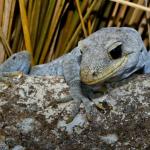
(90, 111)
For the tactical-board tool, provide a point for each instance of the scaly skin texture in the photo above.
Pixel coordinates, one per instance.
(106, 55)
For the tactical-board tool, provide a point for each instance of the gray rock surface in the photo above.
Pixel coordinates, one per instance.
(32, 117)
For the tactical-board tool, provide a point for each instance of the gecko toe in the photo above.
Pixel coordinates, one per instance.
(91, 112)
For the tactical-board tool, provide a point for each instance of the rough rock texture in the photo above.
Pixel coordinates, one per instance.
(32, 117)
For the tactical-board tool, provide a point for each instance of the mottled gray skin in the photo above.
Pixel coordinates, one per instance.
(95, 61)
(17, 62)
(92, 57)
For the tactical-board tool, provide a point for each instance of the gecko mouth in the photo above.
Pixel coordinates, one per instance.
(105, 73)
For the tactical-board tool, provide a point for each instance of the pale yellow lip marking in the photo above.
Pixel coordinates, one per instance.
(108, 72)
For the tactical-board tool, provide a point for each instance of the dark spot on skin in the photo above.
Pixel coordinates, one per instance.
(14, 58)
(94, 73)
(116, 52)
(141, 50)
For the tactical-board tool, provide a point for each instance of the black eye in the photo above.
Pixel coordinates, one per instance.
(116, 52)
(14, 58)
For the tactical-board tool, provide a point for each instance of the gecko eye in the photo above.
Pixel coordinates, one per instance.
(116, 52)
(14, 58)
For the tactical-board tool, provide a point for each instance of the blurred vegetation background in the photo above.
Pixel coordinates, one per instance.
(51, 28)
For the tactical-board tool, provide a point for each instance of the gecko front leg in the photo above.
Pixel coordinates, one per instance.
(71, 68)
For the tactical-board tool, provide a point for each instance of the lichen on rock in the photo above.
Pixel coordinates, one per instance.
(33, 117)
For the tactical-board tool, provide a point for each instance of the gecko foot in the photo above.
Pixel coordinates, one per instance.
(89, 108)
(72, 111)
(74, 108)
(90, 111)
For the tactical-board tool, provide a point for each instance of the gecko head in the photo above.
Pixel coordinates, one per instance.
(110, 53)
(20, 61)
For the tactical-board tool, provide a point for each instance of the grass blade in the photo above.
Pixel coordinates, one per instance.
(25, 26)
(111, 21)
(121, 15)
(79, 27)
(35, 21)
(44, 7)
(46, 23)
(56, 17)
(18, 32)
(11, 20)
(5, 43)
(69, 29)
(1, 11)
(81, 18)
(30, 7)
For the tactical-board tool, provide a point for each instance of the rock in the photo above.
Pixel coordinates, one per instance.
(27, 125)
(33, 117)
(110, 138)
(3, 146)
(18, 147)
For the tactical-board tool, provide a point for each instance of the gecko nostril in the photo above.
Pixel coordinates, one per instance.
(94, 73)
